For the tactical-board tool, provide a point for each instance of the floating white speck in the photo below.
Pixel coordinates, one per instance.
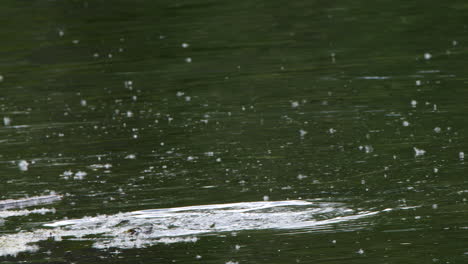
(185, 45)
(188, 60)
(294, 104)
(179, 93)
(414, 103)
(218, 160)
(23, 165)
(302, 133)
(406, 123)
(6, 121)
(435, 206)
(75, 41)
(332, 131)
(418, 152)
(454, 42)
(83, 102)
(237, 247)
(461, 155)
(360, 251)
(79, 175)
(198, 257)
(436, 170)
(437, 129)
(368, 148)
(130, 156)
(266, 198)
(418, 82)
(61, 33)
(190, 158)
(427, 56)
(301, 177)
(96, 55)
(128, 85)
(209, 153)
(129, 114)
(188, 98)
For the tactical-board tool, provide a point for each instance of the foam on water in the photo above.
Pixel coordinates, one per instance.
(144, 228)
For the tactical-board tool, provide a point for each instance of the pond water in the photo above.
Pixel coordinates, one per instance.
(233, 132)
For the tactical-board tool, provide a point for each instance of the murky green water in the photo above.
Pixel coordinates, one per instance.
(356, 108)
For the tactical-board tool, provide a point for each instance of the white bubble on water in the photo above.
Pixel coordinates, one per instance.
(179, 94)
(461, 155)
(414, 103)
(218, 160)
(427, 56)
(437, 129)
(188, 60)
(406, 123)
(418, 152)
(79, 175)
(188, 98)
(266, 198)
(6, 121)
(301, 176)
(295, 104)
(332, 131)
(23, 165)
(185, 45)
(130, 156)
(302, 133)
(129, 114)
(360, 251)
(83, 102)
(368, 149)
(418, 82)
(454, 42)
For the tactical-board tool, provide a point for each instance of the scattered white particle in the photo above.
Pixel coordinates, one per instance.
(96, 55)
(79, 175)
(435, 206)
(129, 114)
(190, 158)
(363, 182)
(237, 247)
(198, 257)
(294, 104)
(360, 251)
(427, 56)
(188, 60)
(369, 148)
(83, 102)
(332, 131)
(23, 165)
(418, 82)
(434, 108)
(406, 123)
(266, 198)
(61, 33)
(302, 133)
(333, 241)
(218, 160)
(6, 121)
(188, 98)
(128, 85)
(418, 152)
(209, 154)
(134, 98)
(454, 42)
(333, 57)
(1, 78)
(461, 155)
(437, 129)
(232, 262)
(414, 103)
(109, 55)
(179, 94)
(75, 41)
(130, 156)
(301, 176)
(185, 45)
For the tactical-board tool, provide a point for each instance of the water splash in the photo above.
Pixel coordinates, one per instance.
(141, 229)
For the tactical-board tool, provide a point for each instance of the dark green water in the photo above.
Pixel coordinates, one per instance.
(177, 103)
